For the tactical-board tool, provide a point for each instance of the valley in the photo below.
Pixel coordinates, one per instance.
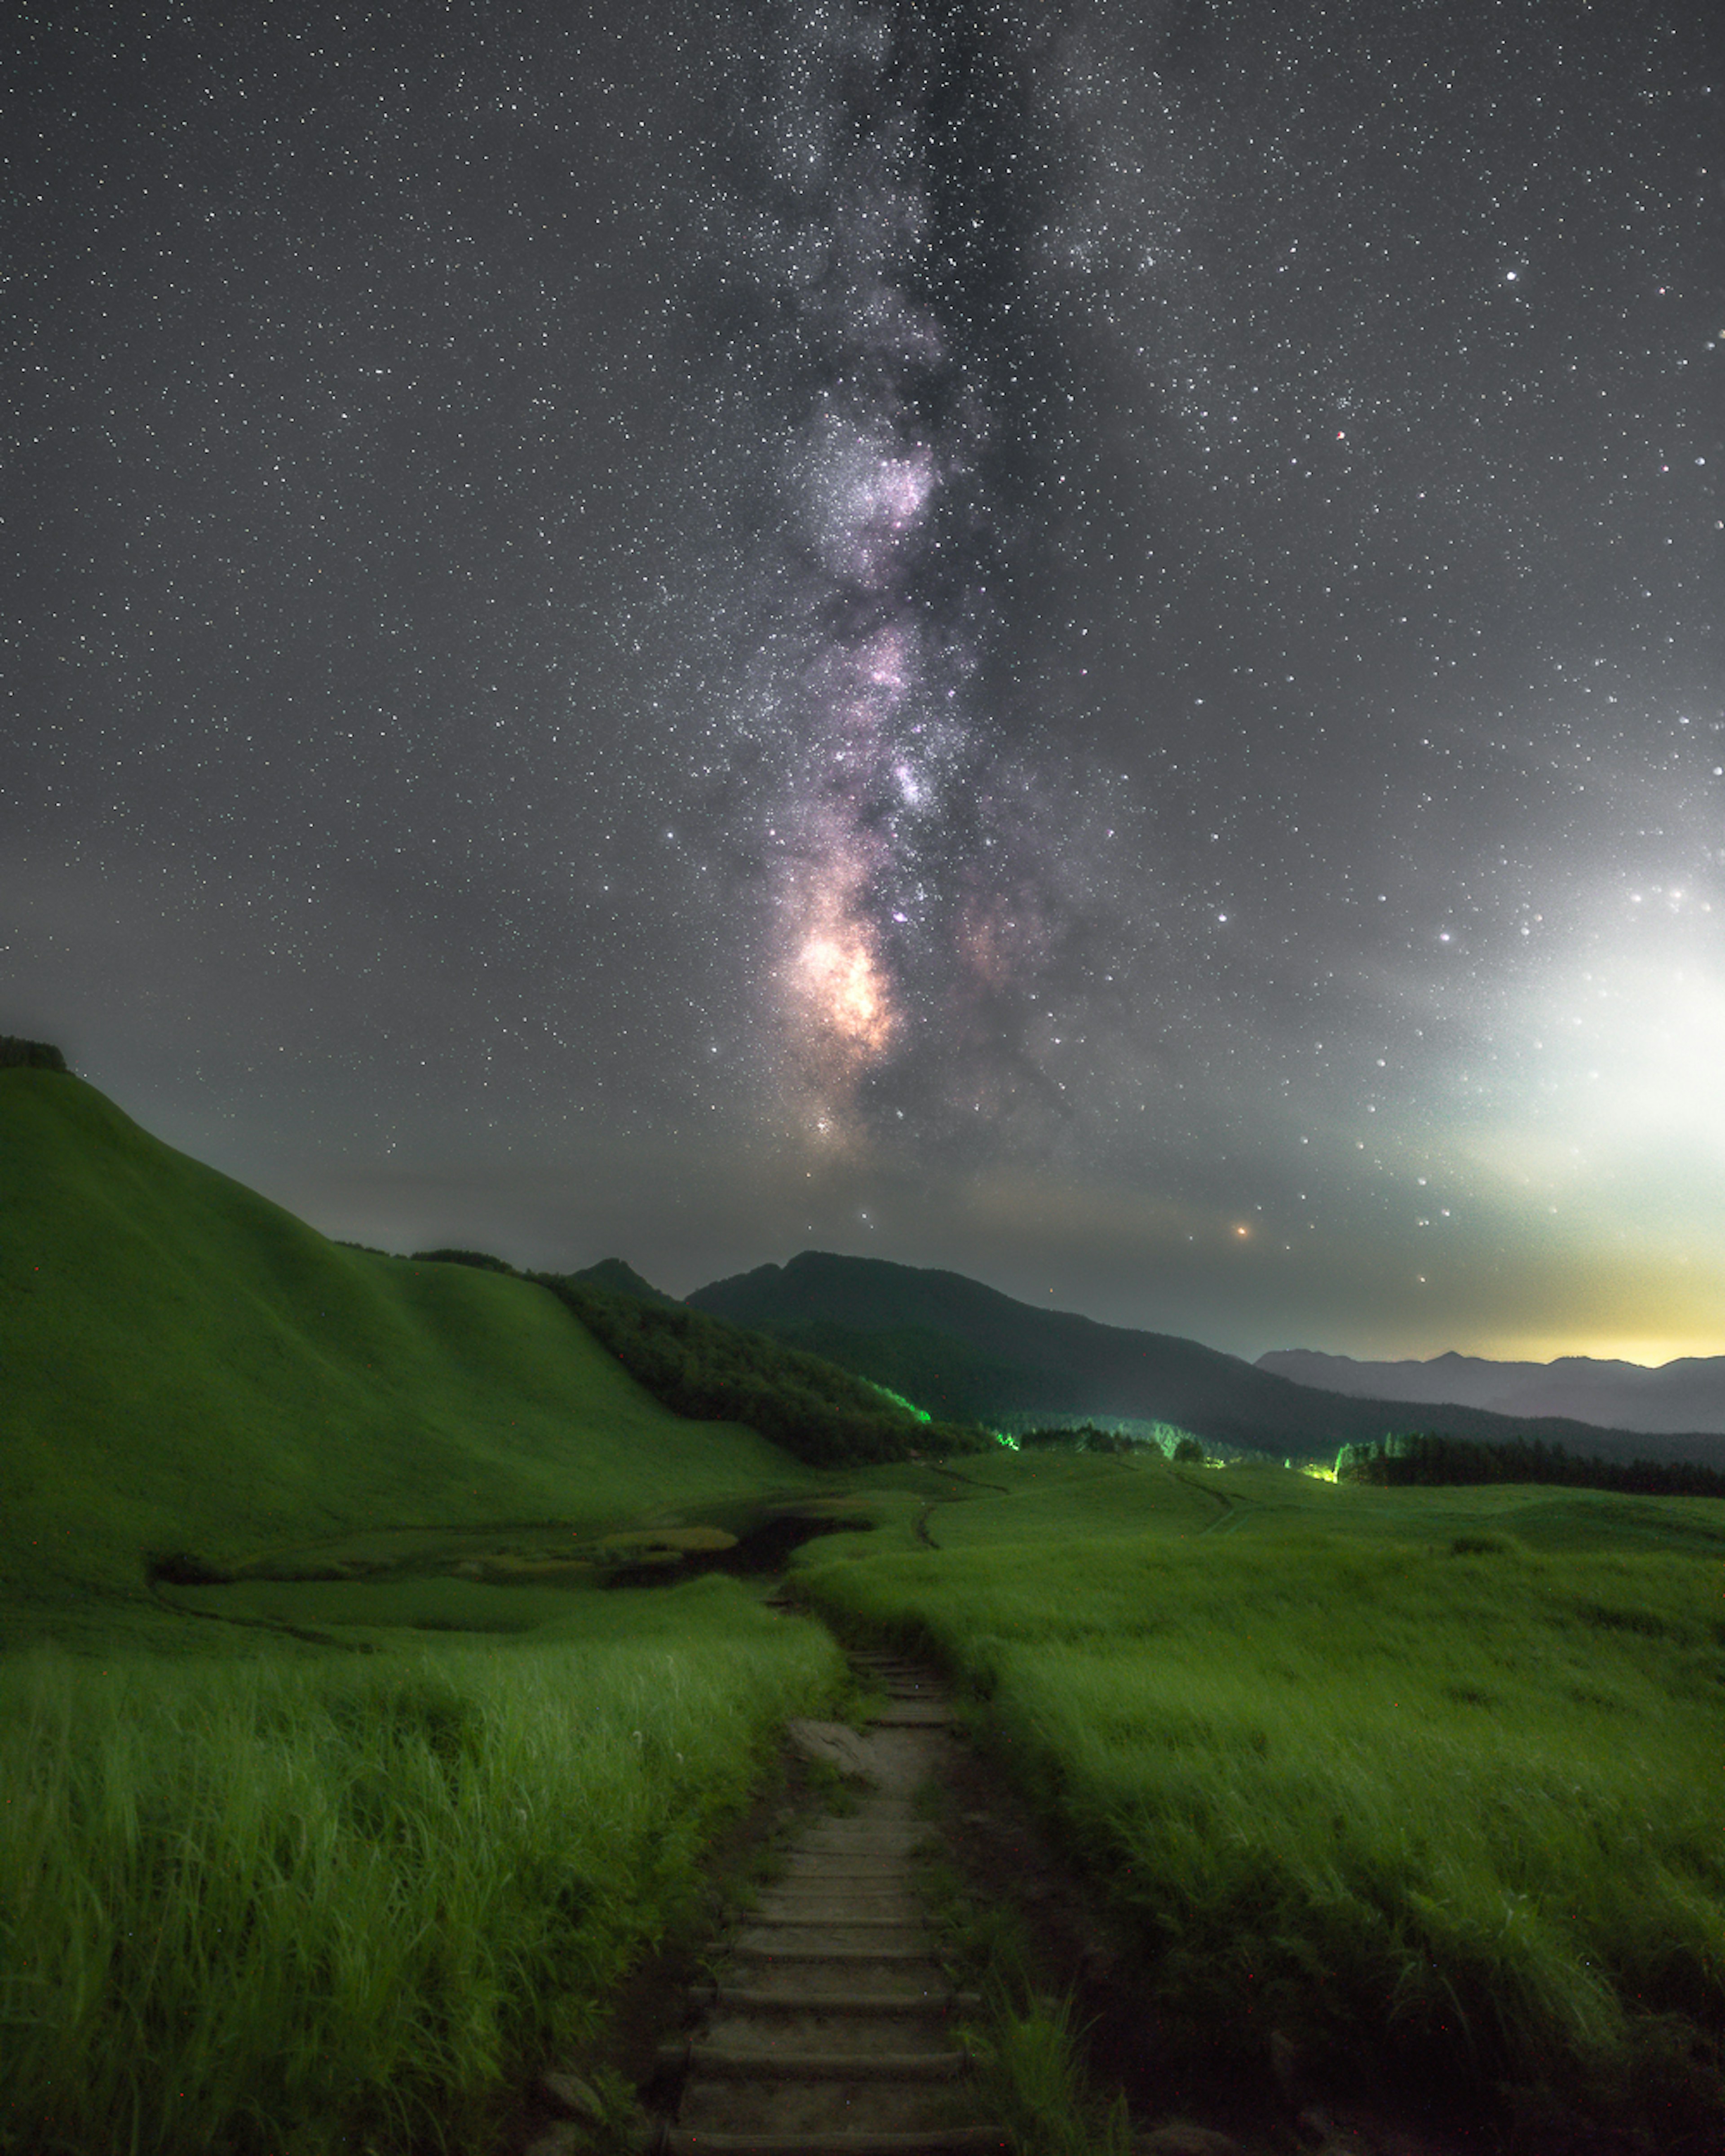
(382, 1661)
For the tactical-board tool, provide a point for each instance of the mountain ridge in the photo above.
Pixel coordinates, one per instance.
(1686, 1394)
(1012, 1356)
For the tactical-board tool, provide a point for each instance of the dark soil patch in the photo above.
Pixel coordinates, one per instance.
(1256, 2086)
(760, 1547)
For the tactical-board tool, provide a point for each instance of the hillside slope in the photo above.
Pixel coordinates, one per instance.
(1012, 1357)
(183, 1365)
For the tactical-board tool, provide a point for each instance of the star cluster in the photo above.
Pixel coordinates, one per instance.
(1077, 641)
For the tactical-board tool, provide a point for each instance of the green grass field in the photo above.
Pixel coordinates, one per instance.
(1424, 1777)
(1430, 1776)
(278, 1907)
(255, 1895)
(186, 1366)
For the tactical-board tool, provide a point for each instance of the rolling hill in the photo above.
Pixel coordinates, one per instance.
(186, 1367)
(966, 1350)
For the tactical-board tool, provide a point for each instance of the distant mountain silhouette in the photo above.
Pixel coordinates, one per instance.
(621, 1278)
(1688, 1394)
(964, 1350)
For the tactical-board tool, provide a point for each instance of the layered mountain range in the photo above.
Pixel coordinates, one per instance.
(1688, 1394)
(965, 1350)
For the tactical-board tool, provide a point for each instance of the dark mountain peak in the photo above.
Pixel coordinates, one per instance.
(881, 1295)
(619, 1277)
(975, 1351)
(829, 1270)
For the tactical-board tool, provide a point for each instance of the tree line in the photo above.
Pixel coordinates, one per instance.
(1397, 1461)
(1180, 1446)
(17, 1054)
(714, 1371)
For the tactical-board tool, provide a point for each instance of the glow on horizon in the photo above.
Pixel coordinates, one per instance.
(1375, 1342)
(1650, 1353)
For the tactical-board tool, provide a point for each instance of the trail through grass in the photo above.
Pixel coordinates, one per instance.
(1433, 1796)
(294, 1906)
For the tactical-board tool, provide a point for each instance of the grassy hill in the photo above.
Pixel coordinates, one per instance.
(889, 1322)
(185, 1365)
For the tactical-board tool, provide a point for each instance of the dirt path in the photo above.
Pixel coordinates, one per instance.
(828, 2030)
(1233, 1507)
(826, 2021)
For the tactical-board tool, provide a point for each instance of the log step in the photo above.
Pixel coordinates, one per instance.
(821, 1886)
(885, 1864)
(801, 1951)
(713, 2062)
(792, 1922)
(800, 1904)
(728, 1998)
(667, 2140)
(888, 1841)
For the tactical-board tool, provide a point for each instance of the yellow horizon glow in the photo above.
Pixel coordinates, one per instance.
(1546, 1347)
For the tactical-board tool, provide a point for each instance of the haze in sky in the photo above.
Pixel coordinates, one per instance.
(1076, 642)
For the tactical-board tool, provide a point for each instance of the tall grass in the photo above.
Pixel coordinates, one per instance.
(1026, 2049)
(293, 1907)
(1463, 1806)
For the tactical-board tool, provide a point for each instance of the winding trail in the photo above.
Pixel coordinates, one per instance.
(1234, 1508)
(830, 2029)
(920, 1528)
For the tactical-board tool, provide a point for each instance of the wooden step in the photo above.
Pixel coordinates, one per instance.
(800, 1895)
(812, 1950)
(713, 2062)
(814, 1864)
(859, 1942)
(868, 1837)
(728, 1998)
(667, 2140)
(825, 1920)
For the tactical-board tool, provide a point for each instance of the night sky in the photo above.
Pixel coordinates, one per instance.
(1082, 643)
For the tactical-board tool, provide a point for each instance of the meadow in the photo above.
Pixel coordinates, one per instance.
(1425, 1779)
(359, 1791)
(343, 1902)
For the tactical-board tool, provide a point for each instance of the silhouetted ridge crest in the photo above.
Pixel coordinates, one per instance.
(967, 1350)
(618, 1277)
(19, 1054)
(1685, 1395)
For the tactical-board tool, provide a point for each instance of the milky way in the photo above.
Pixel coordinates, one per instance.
(895, 157)
(1078, 642)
